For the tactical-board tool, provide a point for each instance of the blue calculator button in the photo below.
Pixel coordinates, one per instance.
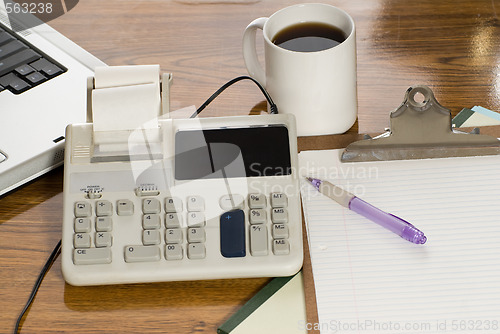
(232, 234)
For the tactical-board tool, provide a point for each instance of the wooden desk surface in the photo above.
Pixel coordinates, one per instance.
(451, 46)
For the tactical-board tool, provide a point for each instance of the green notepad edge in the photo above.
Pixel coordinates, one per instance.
(462, 116)
(254, 303)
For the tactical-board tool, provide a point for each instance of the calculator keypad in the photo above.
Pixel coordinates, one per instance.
(83, 252)
(258, 227)
(173, 218)
(263, 222)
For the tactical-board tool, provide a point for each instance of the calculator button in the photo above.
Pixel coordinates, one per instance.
(195, 219)
(279, 215)
(258, 240)
(173, 220)
(173, 252)
(257, 216)
(92, 256)
(173, 204)
(151, 205)
(151, 237)
(196, 251)
(281, 247)
(173, 235)
(232, 234)
(83, 209)
(278, 200)
(81, 240)
(103, 239)
(195, 203)
(124, 207)
(151, 221)
(196, 234)
(231, 202)
(280, 231)
(103, 224)
(139, 253)
(82, 225)
(257, 201)
(103, 208)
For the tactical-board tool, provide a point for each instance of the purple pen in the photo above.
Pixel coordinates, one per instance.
(394, 224)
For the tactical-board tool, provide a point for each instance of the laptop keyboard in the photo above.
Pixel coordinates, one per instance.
(22, 66)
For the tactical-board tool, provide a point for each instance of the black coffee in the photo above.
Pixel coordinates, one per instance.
(309, 37)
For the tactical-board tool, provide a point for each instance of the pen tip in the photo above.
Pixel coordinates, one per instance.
(419, 238)
(315, 182)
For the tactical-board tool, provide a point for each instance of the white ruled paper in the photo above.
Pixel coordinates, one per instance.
(369, 280)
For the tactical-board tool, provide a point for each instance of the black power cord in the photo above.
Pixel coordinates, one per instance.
(52, 258)
(272, 106)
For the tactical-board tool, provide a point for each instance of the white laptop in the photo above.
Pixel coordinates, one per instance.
(43, 87)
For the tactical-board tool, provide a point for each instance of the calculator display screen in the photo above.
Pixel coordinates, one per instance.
(232, 152)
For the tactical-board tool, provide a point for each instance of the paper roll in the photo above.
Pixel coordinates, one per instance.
(126, 98)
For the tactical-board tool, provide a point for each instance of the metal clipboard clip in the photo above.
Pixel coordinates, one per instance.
(420, 130)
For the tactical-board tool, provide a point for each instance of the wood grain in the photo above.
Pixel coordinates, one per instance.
(451, 46)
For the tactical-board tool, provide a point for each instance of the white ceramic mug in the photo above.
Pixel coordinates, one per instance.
(319, 88)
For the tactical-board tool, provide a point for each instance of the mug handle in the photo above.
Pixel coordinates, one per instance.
(254, 68)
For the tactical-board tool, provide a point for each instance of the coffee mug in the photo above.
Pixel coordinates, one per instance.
(310, 71)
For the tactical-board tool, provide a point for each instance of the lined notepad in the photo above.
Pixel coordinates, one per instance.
(369, 280)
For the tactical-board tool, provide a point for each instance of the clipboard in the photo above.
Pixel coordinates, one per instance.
(444, 144)
(421, 129)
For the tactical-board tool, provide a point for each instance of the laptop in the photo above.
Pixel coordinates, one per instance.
(43, 88)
